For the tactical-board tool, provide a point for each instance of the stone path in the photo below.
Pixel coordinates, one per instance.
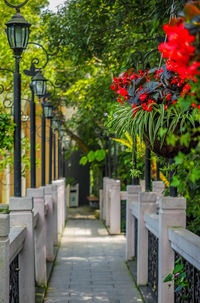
(90, 267)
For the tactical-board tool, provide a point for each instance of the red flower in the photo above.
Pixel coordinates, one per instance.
(122, 91)
(193, 105)
(180, 51)
(142, 97)
(158, 72)
(134, 109)
(185, 89)
(113, 87)
(168, 97)
(165, 107)
(174, 102)
(198, 106)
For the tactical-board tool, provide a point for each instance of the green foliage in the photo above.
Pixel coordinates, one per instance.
(178, 276)
(187, 180)
(92, 156)
(158, 124)
(6, 130)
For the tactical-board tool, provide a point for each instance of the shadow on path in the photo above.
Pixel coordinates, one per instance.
(90, 265)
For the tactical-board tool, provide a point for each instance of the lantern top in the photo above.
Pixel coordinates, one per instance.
(39, 77)
(18, 19)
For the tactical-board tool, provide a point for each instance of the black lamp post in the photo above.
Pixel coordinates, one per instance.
(55, 124)
(147, 169)
(60, 155)
(38, 86)
(48, 113)
(18, 30)
(39, 83)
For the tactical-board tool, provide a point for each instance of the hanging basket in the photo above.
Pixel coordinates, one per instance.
(169, 151)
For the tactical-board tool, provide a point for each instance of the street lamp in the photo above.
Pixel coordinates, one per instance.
(48, 113)
(38, 87)
(18, 30)
(39, 83)
(55, 123)
(48, 110)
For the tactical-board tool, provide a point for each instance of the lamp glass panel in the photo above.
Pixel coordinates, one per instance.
(18, 36)
(55, 124)
(50, 111)
(11, 36)
(44, 87)
(26, 37)
(46, 111)
(61, 133)
(38, 88)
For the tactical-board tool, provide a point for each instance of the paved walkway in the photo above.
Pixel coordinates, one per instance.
(90, 267)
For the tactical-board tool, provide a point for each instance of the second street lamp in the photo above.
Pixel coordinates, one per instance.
(55, 123)
(48, 113)
(39, 83)
(18, 30)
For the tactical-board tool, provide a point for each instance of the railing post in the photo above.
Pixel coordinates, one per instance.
(105, 180)
(4, 258)
(21, 215)
(107, 204)
(115, 208)
(60, 205)
(39, 235)
(158, 187)
(132, 197)
(101, 203)
(171, 213)
(146, 204)
(55, 214)
(49, 223)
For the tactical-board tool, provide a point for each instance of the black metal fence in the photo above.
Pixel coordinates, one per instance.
(123, 216)
(153, 264)
(14, 281)
(191, 292)
(136, 237)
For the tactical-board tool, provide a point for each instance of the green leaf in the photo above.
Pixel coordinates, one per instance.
(185, 139)
(195, 174)
(179, 288)
(100, 154)
(178, 268)
(168, 278)
(91, 156)
(83, 160)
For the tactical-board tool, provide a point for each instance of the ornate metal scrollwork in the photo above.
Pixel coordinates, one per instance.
(1, 89)
(14, 281)
(16, 6)
(136, 237)
(153, 263)
(190, 293)
(123, 216)
(34, 68)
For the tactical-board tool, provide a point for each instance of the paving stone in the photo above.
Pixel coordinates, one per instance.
(90, 267)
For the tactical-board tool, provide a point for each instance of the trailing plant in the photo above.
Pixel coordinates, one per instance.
(165, 101)
(177, 276)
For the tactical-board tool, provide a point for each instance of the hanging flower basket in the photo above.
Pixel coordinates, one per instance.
(165, 101)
